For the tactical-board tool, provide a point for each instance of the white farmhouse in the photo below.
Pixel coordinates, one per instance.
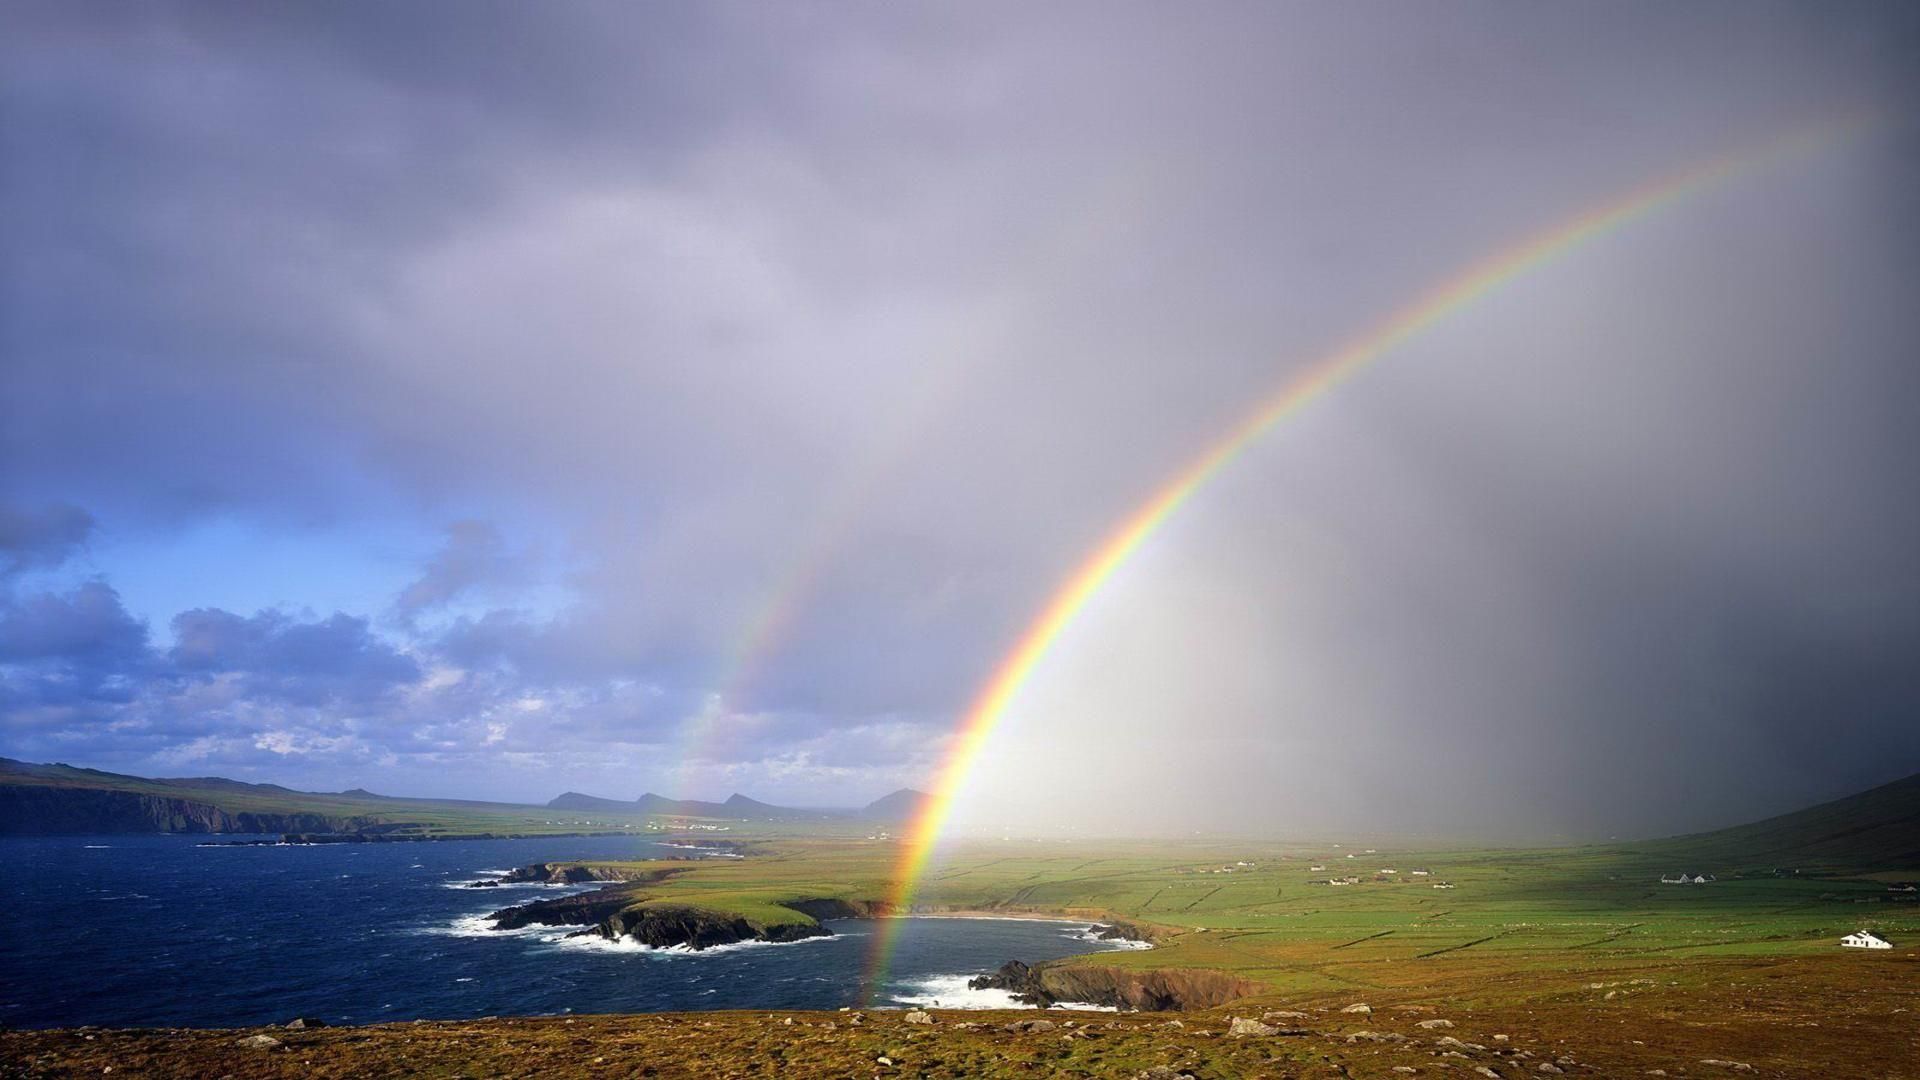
(1865, 939)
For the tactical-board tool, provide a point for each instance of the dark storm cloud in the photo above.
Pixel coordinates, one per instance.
(821, 343)
(87, 625)
(308, 663)
(66, 659)
(40, 538)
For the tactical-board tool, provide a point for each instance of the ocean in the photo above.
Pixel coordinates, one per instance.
(125, 931)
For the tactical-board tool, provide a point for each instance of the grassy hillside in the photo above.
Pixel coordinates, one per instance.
(1875, 829)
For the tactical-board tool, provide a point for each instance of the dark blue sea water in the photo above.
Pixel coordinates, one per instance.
(154, 930)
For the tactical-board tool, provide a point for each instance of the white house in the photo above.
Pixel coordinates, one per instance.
(1865, 939)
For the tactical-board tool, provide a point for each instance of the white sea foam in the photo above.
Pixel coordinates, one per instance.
(571, 886)
(480, 925)
(98, 847)
(629, 945)
(952, 992)
(718, 853)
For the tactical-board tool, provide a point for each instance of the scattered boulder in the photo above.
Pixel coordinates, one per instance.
(1550, 1067)
(1736, 1066)
(1376, 1037)
(259, 1042)
(1434, 1025)
(1283, 1014)
(1161, 1072)
(1243, 1026)
(302, 1023)
(1358, 1008)
(1407, 1069)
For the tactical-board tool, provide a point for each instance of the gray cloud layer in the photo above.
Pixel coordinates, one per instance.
(906, 306)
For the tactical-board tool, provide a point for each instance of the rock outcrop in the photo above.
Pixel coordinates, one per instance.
(667, 927)
(1121, 930)
(586, 909)
(556, 874)
(1162, 989)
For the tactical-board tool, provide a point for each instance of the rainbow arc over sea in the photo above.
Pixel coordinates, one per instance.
(1452, 294)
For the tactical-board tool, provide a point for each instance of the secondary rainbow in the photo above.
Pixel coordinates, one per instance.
(1042, 271)
(1456, 292)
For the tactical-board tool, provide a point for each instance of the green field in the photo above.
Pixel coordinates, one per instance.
(1274, 920)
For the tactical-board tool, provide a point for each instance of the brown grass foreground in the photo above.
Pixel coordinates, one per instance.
(1799, 1016)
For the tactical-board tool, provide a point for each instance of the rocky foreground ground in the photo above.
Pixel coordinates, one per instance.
(1777, 1021)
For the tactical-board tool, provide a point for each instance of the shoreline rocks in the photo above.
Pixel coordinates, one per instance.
(1152, 990)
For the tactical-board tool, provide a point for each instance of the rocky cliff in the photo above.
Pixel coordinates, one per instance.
(51, 811)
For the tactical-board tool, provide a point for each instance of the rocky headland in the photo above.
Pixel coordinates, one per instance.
(40, 811)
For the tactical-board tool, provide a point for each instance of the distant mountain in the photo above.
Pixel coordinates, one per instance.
(899, 806)
(660, 804)
(902, 805)
(1876, 829)
(63, 799)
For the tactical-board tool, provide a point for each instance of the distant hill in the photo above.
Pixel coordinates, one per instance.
(573, 800)
(1876, 829)
(902, 805)
(63, 799)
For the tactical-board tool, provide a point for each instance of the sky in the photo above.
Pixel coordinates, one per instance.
(493, 400)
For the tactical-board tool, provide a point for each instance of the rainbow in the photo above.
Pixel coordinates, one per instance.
(1470, 283)
(1045, 268)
